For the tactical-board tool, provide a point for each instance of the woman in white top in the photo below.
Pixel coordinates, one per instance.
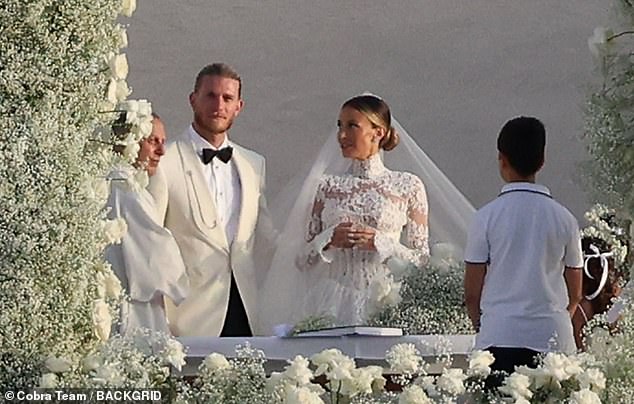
(147, 261)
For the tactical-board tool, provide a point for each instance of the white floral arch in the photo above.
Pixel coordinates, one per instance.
(62, 79)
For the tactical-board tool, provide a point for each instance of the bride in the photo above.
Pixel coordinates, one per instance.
(356, 225)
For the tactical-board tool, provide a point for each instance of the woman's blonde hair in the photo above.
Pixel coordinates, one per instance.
(378, 113)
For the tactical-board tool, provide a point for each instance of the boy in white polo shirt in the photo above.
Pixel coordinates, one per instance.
(523, 259)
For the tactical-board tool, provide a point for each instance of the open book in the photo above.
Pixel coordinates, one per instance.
(352, 330)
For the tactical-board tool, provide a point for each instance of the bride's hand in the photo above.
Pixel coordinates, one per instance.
(349, 235)
(363, 237)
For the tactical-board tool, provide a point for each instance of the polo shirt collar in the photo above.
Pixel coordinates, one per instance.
(525, 187)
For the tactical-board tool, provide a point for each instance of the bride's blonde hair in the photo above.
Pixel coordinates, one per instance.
(378, 113)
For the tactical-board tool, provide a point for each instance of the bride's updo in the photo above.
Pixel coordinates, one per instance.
(378, 113)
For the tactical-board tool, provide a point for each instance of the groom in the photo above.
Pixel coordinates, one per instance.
(210, 193)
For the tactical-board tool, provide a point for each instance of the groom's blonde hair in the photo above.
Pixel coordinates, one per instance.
(221, 70)
(378, 113)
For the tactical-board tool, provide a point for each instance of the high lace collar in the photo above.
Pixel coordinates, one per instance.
(369, 168)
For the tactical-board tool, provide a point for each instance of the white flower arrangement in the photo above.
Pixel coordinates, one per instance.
(440, 283)
(405, 359)
(601, 226)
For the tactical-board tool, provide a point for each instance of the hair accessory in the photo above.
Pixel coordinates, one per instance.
(371, 95)
(604, 268)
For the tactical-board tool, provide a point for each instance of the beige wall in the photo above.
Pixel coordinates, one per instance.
(452, 70)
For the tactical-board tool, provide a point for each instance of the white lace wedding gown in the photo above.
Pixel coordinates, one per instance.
(395, 204)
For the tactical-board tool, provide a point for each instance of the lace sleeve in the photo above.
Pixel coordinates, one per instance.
(316, 238)
(415, 247)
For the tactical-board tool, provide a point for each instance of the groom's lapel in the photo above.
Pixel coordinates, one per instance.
(199, 187)
(249, 181)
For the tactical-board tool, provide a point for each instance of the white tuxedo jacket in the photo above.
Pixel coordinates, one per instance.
(185, 202)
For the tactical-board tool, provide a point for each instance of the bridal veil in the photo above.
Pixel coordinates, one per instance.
(285, 285)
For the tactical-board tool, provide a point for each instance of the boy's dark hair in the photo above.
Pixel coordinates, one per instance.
(522, 140)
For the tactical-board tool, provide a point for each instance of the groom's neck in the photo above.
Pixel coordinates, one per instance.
(214, 139)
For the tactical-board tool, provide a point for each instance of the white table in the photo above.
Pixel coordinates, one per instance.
(364, 349)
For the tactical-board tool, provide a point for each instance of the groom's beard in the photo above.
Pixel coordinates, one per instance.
(212, 125)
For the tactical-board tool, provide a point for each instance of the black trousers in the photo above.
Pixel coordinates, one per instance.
(236, 322)
(505, 361)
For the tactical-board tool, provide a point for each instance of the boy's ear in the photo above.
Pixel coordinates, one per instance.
(504, 162)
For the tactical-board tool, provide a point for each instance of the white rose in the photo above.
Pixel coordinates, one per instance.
(97, 189)
(48, 380)
(216, 361)
(145, 127)
(174, 354)
(109, 284)
(109, 374)
(57, 365)
(91, 362)
(131, 151)
(301, 395)
(122, 91)
(114, 230)
(298, 371)
(145, 108)
(128, 7)
(379, 288)
(592, 378)
(363, 381)
(479, 363)
(451, 381)
(123, 37)
(130, 106)
(338, 373)
(383, 292)
(119, 66)
(102, 319)
(443, 256)
(394, 297)
(517, 385)
(413, 394)
(561, 367)
(329, 359)
(428, 383)
(584, 396)
(376, 373)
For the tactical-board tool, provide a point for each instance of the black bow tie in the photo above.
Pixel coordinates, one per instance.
(223, 154)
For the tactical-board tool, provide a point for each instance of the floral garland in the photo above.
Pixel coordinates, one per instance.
(62, 83)
(603, 225)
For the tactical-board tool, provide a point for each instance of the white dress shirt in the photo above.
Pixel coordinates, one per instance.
(224, 184)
